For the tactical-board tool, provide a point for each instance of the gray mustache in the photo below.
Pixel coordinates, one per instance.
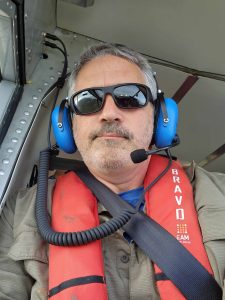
(112, 128)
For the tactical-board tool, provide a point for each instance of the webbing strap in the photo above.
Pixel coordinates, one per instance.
(177, 263)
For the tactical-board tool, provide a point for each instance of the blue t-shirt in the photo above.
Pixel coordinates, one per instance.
(132, 196)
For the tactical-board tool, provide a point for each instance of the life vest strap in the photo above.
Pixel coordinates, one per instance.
(74, 282)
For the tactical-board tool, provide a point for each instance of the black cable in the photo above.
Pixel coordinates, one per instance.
(55, 84)
(142, 197)
(54, 46)
(59, 84)
(50, 119)
(55, 38)
(68, 238)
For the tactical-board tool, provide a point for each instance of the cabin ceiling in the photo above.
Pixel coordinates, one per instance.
(184, 32)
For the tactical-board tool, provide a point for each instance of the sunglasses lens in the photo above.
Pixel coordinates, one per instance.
(131, 96)
(89, 101)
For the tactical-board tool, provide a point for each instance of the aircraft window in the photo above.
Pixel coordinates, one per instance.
(9, 75)
(7, 68)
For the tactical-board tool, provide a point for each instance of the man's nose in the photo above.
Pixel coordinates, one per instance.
(110, 111)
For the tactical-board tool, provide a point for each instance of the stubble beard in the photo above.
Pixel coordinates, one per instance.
(108, 155)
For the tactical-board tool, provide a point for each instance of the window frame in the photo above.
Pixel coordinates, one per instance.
(14, 9)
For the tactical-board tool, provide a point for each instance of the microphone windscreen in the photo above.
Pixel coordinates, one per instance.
(138, 156)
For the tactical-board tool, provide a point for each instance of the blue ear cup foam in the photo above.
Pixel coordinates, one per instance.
(63, 130)
(165, 132)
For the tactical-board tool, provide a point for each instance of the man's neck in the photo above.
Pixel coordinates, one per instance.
(123, 180)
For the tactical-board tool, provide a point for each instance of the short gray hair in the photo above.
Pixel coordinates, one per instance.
(122, 51)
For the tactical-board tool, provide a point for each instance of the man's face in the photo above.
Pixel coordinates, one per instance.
(105, 139)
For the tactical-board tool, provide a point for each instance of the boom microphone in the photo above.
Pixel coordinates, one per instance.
(140, 155)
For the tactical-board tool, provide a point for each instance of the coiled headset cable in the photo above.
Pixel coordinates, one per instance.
(81, 237)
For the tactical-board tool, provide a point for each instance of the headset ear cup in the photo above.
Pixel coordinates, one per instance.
(63, 131)
(165, 132)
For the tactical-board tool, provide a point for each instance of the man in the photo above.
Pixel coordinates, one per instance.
(105, 135)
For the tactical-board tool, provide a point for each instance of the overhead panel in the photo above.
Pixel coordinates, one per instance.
(186, 32)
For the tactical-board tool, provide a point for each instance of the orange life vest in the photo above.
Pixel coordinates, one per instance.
(78, 272)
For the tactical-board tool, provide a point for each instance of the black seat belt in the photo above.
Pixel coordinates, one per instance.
(177, 263)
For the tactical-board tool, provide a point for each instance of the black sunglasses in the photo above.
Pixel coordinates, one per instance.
(125, 96)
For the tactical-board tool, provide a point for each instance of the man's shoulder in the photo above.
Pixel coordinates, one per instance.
(19, 222)
(23, 205)
(200, 176)
(208, 187)
(215, 178)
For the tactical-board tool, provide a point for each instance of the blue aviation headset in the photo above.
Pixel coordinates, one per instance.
(165, 124)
